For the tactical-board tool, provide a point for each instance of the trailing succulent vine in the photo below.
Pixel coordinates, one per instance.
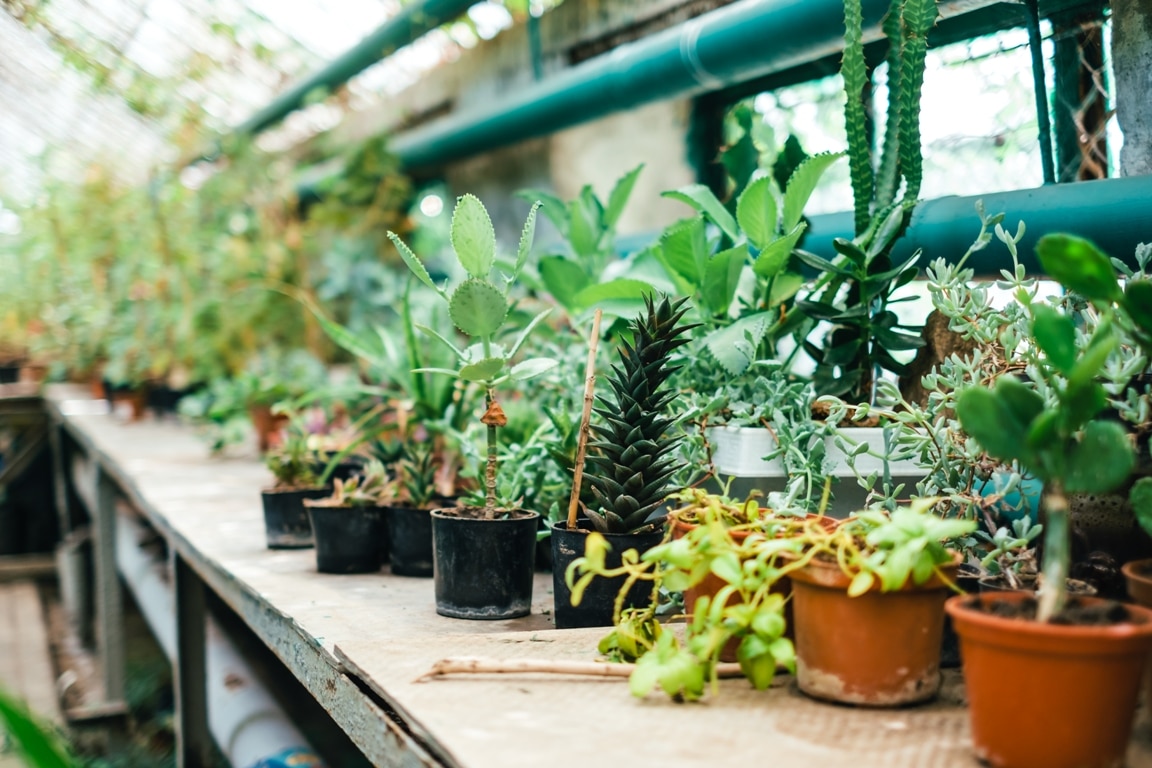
(633, 457)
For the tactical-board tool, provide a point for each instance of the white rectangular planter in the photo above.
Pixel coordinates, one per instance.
(738, 452)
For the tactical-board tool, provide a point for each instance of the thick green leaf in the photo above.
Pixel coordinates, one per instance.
(721, 277)
(784, 286)
(619, 195)
(1079, 266)
(533, 366)
(552, 206)
(473, 238)
(483, 370)
(584, 227)
(684, 246)
(1138, 303)
(734, 347)
(703, 200)
(1056, 335)
(986, 415)
(620, 288)
(478, 308)
(414, 263)
(778, 252)
(1081, 402)
(1023, 402)
(527, 235)
(756, 212)
(1100, 461)
(822, 264)
(801, 185)
(563, 278)
(1140, 497)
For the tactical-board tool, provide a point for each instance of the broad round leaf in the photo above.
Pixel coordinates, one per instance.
(1080, 266)
(1101, 460)
(478, 308)
(473, 238)
(1056, 335)
(756, 212)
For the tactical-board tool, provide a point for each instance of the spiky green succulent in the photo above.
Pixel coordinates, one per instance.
(633, 458)
(371, 488)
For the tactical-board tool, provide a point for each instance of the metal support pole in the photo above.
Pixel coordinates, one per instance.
(59, 480)
(193, 738)
(1040, 85)
(109, 601)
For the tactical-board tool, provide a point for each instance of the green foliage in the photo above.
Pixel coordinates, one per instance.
(372, 487)
(579, 278)
(35, 742)
(632, 458)
(293, 462)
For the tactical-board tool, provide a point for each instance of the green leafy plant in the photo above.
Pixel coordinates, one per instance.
(855, 290)
(417, 474)
(1061, 439)
(758, 241)
(293, 462)
(632, 457)
(580, 278)
(479, 306)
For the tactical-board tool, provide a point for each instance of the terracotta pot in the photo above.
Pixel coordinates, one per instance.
(1075, 685)
(712, 584)
(880, 649)
(267, 425)
(1138, 575)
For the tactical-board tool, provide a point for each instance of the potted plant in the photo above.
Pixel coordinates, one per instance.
(632, 462)
(293, 462)
(483, 556)
(1074, 663)
(410, 516)
(349, 525)
(869, 606)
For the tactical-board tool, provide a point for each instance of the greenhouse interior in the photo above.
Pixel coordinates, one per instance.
(406, 382)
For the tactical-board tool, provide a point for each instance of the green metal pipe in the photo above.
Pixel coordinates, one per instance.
(744, 40)
(1116, 214)
(414, 20)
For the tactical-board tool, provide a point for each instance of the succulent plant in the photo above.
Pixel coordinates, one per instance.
(417, 473)
(293, 461)
(371, 488)
(633, 458)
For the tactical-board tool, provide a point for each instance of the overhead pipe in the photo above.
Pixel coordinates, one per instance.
(739, 42)
(244, 719)
(1113, 213)
(414, 20)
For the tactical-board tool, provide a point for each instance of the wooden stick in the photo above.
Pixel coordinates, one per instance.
(585, 420)
(477, 666)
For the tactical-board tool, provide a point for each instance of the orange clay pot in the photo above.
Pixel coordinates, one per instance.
(1046, 695)
(712, 584)
(881, 649)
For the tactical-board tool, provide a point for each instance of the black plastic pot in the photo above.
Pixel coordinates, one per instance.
(344, 471)
(483, 568)
(348, 539)
(596, 606)
(9, 374)
(286, 522)
(410, 541)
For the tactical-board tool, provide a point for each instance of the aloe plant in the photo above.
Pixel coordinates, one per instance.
(1063, 440)
(478, 306)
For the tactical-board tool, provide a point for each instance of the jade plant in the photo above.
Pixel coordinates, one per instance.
(479, 306)
(633, 456)
(1055, 428)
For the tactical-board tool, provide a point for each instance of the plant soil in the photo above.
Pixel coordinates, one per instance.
(1078, 613)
